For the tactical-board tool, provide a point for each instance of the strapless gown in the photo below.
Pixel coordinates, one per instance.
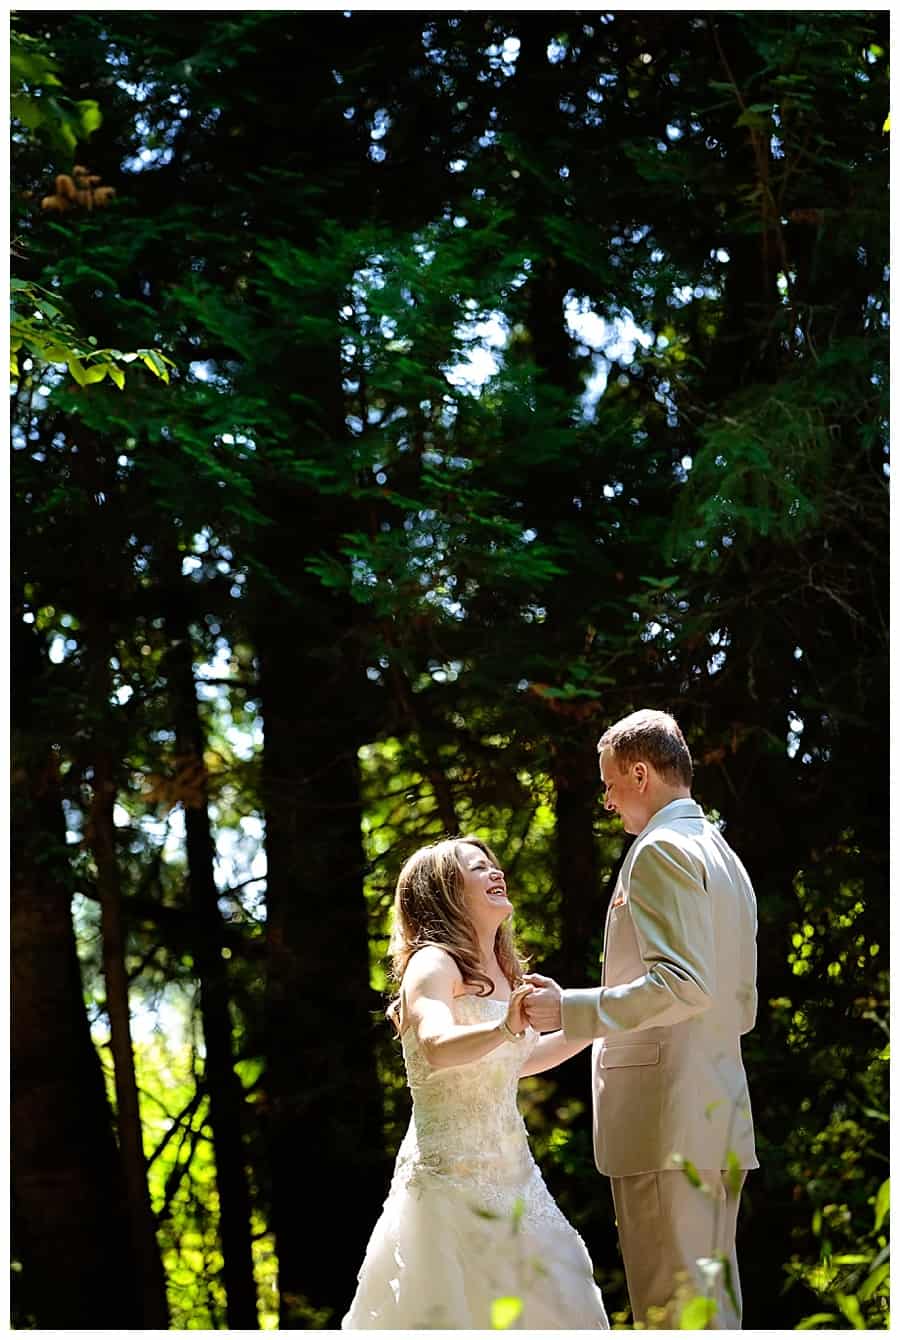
(468, 1219)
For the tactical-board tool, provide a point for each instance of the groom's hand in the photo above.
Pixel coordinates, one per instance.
(543, 1007)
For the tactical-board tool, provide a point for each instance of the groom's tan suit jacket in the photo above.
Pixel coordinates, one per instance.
(678, 990)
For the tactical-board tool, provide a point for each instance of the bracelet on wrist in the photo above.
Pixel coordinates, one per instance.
(509, 1032)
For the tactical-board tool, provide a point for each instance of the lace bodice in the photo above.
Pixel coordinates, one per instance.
(465, 1123)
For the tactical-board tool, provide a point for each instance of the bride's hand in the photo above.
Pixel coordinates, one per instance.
(515, 1017)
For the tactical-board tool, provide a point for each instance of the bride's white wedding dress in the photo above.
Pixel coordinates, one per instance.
(468, 1219)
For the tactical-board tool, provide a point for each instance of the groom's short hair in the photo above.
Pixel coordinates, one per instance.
(650, 737)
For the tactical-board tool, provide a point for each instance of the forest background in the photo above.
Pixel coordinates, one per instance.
(399, 399)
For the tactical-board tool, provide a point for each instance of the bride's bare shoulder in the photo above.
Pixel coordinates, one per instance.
(431, 965)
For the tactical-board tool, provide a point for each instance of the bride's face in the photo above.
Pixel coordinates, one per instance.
(484, 887)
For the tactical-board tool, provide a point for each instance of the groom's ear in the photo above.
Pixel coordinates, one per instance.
(640, 773)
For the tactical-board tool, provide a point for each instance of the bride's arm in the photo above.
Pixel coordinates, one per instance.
(428, 990)
(552, 1049)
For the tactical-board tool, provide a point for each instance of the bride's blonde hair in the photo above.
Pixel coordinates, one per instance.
(430, 909)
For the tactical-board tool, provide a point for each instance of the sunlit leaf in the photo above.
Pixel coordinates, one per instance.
(155, 363)
(76, 367)
(697, 1314)
(96, 373)
(91, 117)
(505, 1312)
(691, 1173)
(873, 1281)
(882, 1203)
(849, 1305)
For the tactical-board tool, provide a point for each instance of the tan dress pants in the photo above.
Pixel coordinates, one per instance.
(665, 1224)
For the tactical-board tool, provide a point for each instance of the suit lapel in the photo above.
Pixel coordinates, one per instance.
(615, 894)
(617, 889)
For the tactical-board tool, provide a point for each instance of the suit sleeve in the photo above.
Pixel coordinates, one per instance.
(670, 910)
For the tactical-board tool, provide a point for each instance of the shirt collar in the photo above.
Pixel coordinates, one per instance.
(683, 808)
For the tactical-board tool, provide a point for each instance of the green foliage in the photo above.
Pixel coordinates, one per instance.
(37, 101)
(39, 327)
(857, 1283)
(853, 1270)
(767, 466)
(40, 323)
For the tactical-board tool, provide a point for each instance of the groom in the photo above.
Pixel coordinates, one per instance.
(678, 989)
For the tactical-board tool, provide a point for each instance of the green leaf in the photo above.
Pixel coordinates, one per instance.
(887, 124)
(27, 110)
(504, 1312)
(91, 117)
(697, 1314)
(76, 367)
(62, 124)
(95, 374)
(754, 120)
(662, 584)
(55, 353)
(849, 1305)
(154, 361)
(735, 1172)
(875, 1114)
(871, 1282)
(29, 64)
(882, 1203)
(817, 1319)
(329, 571)
(729, 1284)
(688, 1169)
(117, 375)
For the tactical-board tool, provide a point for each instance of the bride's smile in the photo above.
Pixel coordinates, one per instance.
(484, 886)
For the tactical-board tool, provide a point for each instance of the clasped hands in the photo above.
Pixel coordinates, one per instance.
(538, 1002)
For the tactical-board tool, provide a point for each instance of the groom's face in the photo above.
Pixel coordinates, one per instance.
(624, 791)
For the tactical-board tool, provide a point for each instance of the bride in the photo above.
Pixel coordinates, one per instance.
(469, 1236)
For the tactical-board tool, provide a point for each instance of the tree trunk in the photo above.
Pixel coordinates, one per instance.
(325, 1111)
(225, 1094)
(576, 779)
(143, 1228)
(325, 1115)
(102, 840)
(70, 1218)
